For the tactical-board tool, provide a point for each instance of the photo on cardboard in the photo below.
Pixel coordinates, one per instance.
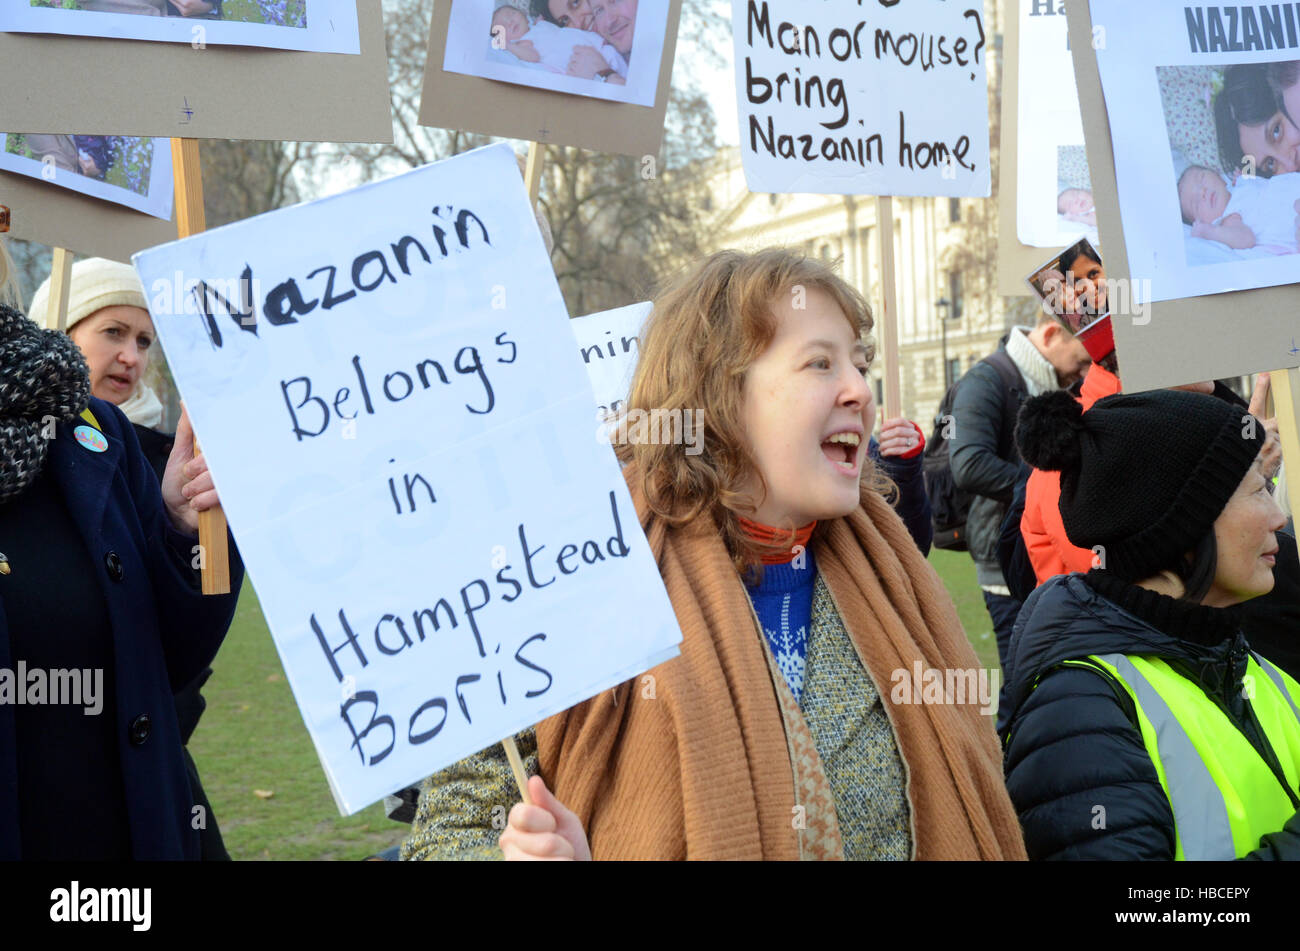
(605, 49)
(1237, 190)
(1054, 205)
(1072, 286)
(324, 26)
(126, 170)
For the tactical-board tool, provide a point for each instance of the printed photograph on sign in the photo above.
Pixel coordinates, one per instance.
(1072, 286)
(1238, 178)
(1054, 203)
(127, 170)
(607, 49)
(1203, 103)
(839, 97)
(326, 26)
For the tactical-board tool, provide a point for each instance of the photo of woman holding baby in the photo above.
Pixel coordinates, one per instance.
(1238, 169)
(582, 47)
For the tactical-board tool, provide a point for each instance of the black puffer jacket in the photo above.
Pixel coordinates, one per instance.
(1071, 745)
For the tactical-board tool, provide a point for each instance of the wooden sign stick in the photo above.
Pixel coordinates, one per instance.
(887, 326)
(533, 179)
(1285, 387)
(60, 288)
(189, 221)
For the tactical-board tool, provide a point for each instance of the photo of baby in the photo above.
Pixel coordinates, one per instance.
(555, 48)
(127, 170)
(1235, 147)
(582, 47)
(1073, 287)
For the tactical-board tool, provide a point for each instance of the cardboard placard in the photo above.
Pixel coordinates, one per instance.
(473, 104)
(1184, 340)
(61, 218)
(839, 97)
(401, 430)
(162, 89)
(137, 170)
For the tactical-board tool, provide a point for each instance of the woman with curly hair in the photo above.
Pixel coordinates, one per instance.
(781, 731)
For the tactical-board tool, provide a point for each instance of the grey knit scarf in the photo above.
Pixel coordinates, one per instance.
(43, 378)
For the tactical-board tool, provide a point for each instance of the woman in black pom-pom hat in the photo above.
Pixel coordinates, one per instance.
(1142, 726)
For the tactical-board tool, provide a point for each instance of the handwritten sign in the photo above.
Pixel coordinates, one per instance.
(610, 343)
(876, 97)
(401, 432)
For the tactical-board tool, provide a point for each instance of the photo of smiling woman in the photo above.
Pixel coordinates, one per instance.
(801, 596)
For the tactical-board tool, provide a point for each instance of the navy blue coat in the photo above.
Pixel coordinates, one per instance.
(164, 632)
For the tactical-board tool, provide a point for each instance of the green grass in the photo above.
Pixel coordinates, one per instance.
(253, 738)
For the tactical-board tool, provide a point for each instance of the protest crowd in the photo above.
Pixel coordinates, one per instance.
(1134, 551)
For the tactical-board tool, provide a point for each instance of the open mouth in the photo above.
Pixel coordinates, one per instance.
(119, 381)
(842, 450)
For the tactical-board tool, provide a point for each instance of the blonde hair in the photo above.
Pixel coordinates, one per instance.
(707, 328)
(10, 293)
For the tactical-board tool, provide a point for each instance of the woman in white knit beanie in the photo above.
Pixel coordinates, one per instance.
(109, 320)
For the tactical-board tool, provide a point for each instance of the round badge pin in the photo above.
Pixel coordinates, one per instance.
(91, 438)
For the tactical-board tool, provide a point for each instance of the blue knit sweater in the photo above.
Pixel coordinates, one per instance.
(783, 603)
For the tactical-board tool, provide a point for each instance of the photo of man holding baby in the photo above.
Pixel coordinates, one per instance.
(586, 39)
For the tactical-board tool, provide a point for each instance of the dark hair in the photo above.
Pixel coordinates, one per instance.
(1247, 98)
(1282, 76)
(542, 9)
(1197, 568)
(1081, 249)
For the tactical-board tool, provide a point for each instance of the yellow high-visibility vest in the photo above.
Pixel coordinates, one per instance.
(1223, 794)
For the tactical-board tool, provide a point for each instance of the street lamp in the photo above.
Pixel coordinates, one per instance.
(942, 305)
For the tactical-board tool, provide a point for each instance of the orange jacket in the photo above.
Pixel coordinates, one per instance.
(1050, 552)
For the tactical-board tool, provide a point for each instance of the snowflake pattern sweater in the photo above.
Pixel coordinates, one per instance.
(783, 602)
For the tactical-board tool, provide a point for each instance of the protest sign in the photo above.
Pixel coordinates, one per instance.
(1208, 201)
(62, 218)
(539, 111)
(845, 97)
(1181, 340)
(610, 344)
(401, 431)
(198, 90)
(325, 26)
(132, 171)
(497, 40)
(1053, 196)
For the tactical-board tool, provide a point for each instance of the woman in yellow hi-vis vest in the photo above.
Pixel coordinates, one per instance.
(1142, 725)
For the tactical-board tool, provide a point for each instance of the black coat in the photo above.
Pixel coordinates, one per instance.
(164, 632)
(985, 461)
(1071, 745)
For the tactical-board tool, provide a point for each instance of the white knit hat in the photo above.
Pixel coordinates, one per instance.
(96, 283)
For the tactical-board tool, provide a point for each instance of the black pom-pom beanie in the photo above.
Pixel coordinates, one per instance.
(1144, 476)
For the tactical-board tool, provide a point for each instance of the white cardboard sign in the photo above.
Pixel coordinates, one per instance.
(401, 432)
(610, 342)
(1054, 206)
(871, 98)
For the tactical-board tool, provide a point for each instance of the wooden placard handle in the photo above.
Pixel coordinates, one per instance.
(887, 321)
(189, 221)
(1285, 388)
(60, 288)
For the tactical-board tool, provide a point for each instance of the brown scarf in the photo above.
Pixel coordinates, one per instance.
(691, 761)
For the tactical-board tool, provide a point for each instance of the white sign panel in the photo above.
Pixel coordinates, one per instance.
(846, 97)
(1054, 204)
(401, 432)
(1203, 103)
(609, 343)
(324, 26)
